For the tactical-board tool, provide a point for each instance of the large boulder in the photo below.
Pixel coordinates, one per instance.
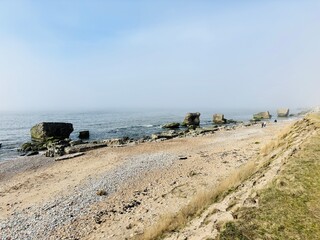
(84, 134)
(219, 119)
(51, 130)
(262, 115)
(191, 120)
(283, 112)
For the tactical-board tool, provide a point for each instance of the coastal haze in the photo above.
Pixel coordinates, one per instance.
(97, 55)
(169, 120)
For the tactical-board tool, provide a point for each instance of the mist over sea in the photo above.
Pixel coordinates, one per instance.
(15, 126)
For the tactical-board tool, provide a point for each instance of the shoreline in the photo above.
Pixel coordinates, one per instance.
(138, 180)
(40, 160)
(164, 134)
(13, 143)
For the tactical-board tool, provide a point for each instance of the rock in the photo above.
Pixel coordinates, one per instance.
(283, 112)
(76, 142)
(49, 153)
(0, 145)
(191, 120)
(254, 120)
(56, 147)
(219, 119)
(84, 134)
(116, 142)
(165, 135)
(154, 136)
(26, 147)
(101, 192)
(128, 206)
(231, 121)
(261, 115)
(32, 153)
(51, 130)
(32, 146)
(212, 129)
(171, 125)
(59, 150)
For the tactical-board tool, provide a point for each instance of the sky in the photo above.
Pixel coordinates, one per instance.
(94, 54)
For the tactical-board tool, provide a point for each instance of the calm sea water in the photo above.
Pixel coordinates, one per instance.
(15, 127)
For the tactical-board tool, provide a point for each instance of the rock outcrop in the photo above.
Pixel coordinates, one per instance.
(192, 120)
(172, 125)
(57, 147)
(219, 119)
(32, 146)
(283, 112)
(50, 136)
(262, 115)
(51, 130)
(165, 135)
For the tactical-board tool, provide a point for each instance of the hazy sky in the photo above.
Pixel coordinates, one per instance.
(216, 54)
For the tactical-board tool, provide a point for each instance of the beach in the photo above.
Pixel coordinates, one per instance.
(159, 120)
(118, 192)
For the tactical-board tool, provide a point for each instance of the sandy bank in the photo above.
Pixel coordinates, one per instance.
(44, 199)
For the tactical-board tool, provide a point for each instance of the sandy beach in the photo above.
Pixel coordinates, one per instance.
(116, 193)
(159, 120)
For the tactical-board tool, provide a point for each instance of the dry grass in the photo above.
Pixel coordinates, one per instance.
(279, 141)
(174, 221)
(288, 134)
(289, 207)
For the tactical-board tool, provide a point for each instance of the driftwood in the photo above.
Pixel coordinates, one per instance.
(84, 147)
(65, 157)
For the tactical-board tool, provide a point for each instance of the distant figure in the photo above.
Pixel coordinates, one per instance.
(275, 120)
(263, 124)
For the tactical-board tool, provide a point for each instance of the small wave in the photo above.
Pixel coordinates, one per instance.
(135, 126)
(148, 125)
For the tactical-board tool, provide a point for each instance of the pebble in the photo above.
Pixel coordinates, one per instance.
(38, 222)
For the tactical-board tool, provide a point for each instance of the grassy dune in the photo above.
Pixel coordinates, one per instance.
(289, 208)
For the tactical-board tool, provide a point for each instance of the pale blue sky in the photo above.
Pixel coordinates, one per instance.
(82, 55)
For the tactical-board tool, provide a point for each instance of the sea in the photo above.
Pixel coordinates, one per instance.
(15, 126)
